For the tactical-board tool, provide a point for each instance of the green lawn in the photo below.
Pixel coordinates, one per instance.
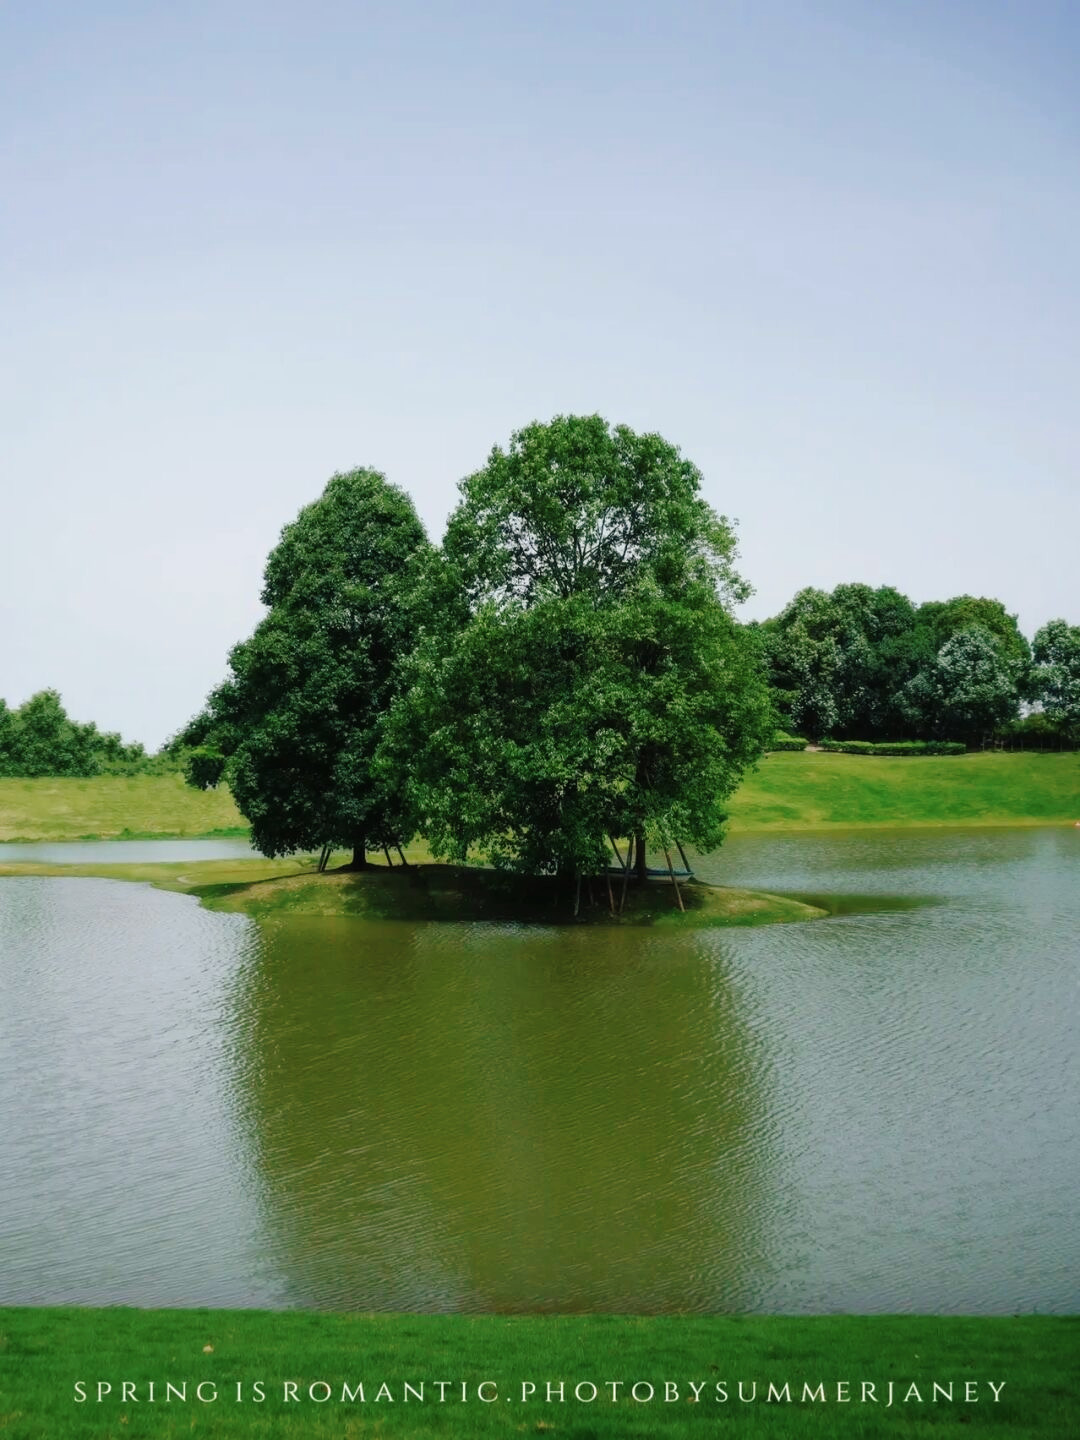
(788, 791)
(793, 791)
(49, 1357)
(114, 807)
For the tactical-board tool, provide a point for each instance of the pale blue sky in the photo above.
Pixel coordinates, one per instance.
(830, 249)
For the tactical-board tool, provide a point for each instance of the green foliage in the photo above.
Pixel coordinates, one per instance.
(297, 720)
(970, 689)
(941, 620)
(39, 739)
(577, 508)
(1035, 731)
(895, 747)
(204, 767)
(1056, 675)
(8, 742)
(780, 741)
(598, 684)
(864, 664)
(836, 660)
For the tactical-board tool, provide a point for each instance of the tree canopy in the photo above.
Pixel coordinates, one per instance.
(969, 688)
(39, 738)
(598, 685)
(566, 669)
(866, 664)
(837, 660)
(1056, 675)
(295, 726)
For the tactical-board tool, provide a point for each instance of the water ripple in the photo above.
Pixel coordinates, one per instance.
(874, 1112)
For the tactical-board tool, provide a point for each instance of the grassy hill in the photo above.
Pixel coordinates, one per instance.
(114, 807)
(789, 791)
(800, 791)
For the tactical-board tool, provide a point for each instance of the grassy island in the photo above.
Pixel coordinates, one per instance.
(433, 892)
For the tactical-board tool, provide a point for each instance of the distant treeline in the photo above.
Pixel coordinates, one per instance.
(868, 665)
(40, 738)
(859, 664)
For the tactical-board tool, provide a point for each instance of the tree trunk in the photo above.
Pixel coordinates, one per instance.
(640, 859)
(359, 859)
(626, 874)
(671, 872)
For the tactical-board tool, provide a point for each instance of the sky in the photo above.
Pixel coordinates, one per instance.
(829, 249)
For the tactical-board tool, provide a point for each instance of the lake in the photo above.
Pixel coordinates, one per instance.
(875, 1112)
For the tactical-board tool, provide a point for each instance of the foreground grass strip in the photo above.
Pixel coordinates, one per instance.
(486, 1364)
(268, 888)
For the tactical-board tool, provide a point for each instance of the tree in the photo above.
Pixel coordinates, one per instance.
(1056, 674)
(837, 660)
(294, 728)
(970, 688)
(804, 664)
(598, 684)
(39, 738)
(942, 619)
(8, 741)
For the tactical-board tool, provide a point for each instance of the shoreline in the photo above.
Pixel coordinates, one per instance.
(777, 827)
(428, 892)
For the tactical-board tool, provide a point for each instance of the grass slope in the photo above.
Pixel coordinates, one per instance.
(791, 791)
(788, 791)
(44, 1352)
(114, 807)
(431, 892)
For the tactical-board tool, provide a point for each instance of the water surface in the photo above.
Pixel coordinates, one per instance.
(127, 852)
(872, 1112)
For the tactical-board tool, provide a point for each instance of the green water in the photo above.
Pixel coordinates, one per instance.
(873, 1112)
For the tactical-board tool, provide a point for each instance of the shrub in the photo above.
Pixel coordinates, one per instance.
(1036, 731)
(895, 747)
(786, 742)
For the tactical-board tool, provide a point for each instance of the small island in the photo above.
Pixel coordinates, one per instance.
(430, 891)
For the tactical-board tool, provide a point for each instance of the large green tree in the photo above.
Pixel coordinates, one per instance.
(837, 660)
(940, 620)
(598, 685)
(295, 726)
(969, 689)
(1056, 675)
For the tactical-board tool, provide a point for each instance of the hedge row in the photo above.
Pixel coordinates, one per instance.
(787, 742)
(896, 747)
